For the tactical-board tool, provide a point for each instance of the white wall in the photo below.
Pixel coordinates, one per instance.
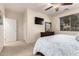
(56, 21)
(19, 20)
(31, 30)
(2, 28)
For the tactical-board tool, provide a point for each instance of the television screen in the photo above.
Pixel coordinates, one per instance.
(39, 20)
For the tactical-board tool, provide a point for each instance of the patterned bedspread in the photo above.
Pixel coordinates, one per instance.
(57, 45)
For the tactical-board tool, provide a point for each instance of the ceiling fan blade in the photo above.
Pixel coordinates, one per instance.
(66, 3)
(48, 8)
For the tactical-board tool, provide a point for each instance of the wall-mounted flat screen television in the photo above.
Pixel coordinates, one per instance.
(39, 20)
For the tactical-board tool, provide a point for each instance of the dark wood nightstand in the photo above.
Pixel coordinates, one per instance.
(43, 34)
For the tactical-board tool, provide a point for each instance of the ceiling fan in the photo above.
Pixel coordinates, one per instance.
(57, 6)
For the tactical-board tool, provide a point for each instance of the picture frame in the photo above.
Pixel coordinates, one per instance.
(48, 26)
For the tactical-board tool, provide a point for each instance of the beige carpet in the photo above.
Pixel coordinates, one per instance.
(17, 48)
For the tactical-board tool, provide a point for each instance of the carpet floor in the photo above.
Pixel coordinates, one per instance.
(17, 48)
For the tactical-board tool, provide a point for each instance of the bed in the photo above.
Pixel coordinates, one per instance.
(57, 45)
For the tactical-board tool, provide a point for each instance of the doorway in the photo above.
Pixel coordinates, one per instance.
(10, 30)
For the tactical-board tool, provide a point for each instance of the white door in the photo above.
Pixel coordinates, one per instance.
(10, 30)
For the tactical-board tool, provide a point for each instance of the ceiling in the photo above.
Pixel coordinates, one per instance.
(21, 7)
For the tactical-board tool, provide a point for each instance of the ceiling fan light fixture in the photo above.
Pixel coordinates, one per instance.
(57, 9)
(57, 5)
